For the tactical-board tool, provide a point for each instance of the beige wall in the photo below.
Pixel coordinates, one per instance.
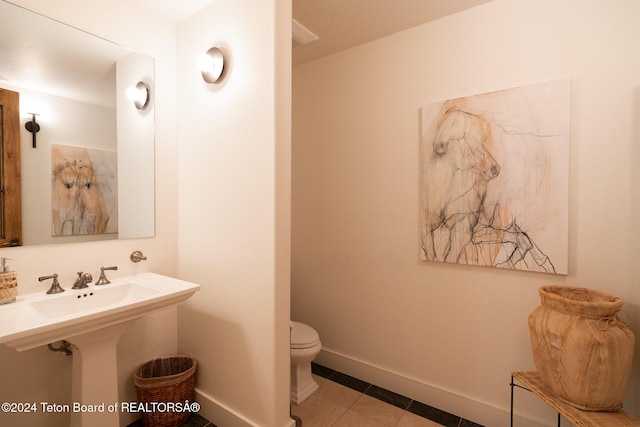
(233, 210)
(40, 375)
(450, 335)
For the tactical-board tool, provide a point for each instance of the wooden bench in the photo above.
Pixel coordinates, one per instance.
(532, 382)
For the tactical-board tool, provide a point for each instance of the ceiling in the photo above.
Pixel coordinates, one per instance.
(339, 24)
(172, 11)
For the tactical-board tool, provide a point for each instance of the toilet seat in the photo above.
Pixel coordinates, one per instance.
(303, 336)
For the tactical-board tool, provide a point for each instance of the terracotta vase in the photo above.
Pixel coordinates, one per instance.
(581, 348)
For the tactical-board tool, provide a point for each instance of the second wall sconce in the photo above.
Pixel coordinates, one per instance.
(212, 65)
(33, 127)
(139, 95)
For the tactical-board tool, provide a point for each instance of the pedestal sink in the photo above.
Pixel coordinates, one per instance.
(92, 319)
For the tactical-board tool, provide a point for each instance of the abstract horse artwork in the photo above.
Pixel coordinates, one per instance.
(495, 179)
(460, 169)
(83, 198)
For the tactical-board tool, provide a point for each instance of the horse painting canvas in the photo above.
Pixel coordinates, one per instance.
(84, 197)
(495, 179)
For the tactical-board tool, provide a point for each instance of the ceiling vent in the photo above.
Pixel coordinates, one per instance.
(301, 35)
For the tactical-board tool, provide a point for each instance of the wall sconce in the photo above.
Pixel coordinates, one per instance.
(211, 64)
(33, 127)
(139, 95)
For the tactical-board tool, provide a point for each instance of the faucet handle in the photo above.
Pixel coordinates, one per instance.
(102, 280)
(55, 285)
(137, 256)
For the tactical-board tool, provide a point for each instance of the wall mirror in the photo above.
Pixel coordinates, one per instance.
(92, 136)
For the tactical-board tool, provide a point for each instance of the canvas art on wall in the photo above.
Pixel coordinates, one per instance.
(495, 178)
(84, 192)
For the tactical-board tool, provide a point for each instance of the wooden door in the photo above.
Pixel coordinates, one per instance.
(10, 178)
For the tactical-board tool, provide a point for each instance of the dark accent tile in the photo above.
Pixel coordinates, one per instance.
(196, 420)
(322, 371)
(467, 423)
(347, 381)
(390, 397)
(434, 414)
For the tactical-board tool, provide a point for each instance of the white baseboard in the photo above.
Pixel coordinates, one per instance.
(222, 415)
(466, 407)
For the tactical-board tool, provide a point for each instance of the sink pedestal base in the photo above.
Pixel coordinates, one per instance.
(94, 377)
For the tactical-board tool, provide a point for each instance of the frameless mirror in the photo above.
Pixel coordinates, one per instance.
(88, 172)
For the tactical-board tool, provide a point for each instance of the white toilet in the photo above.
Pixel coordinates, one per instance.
(305, 346)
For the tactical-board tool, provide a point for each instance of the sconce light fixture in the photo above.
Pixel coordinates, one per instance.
(139, 95)
(33, 127)
(211, 64)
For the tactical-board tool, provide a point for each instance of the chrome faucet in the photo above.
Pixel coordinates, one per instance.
(55, 286)
(102, 280)
(82, 280)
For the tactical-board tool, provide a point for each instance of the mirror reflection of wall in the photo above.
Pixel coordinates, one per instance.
(76, 83)
(135, 150)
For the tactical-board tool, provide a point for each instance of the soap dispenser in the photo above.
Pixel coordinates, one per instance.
(8, 283)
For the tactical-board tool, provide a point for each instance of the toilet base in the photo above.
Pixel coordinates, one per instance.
(302, 383)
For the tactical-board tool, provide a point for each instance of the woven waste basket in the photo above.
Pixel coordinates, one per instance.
(166, 384)
(581, 348)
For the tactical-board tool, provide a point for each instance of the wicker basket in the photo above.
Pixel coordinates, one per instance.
(166, 380)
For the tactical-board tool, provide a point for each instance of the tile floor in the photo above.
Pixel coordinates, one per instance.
(344, 401)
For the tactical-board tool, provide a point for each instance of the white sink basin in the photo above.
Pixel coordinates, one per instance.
(92, 298)
(38, 319)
